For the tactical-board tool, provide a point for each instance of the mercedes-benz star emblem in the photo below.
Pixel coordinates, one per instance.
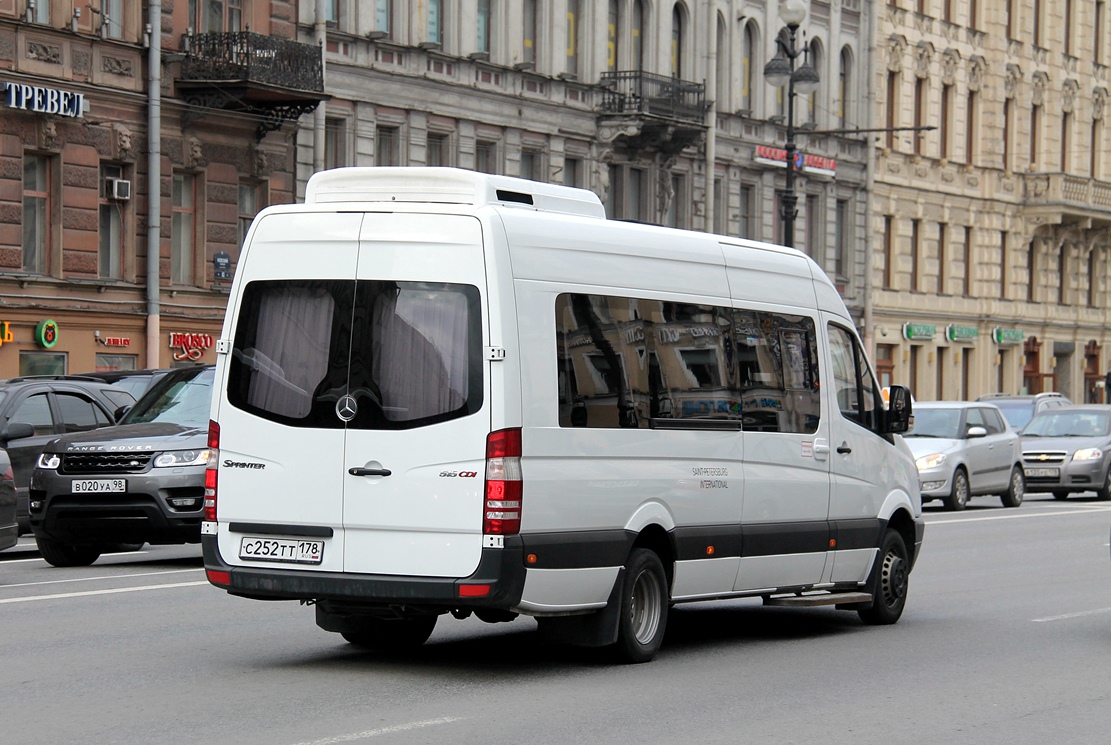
(346, 408)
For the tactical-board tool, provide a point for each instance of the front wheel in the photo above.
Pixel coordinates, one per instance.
(1104, 492)
(958, 497)
(66, 555)
(890, 577)
(1016, 490)
(391, 634)
(644, 602)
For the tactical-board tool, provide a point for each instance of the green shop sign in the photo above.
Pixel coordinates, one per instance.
(919, 331)
(1001, 335)
(953, 332)
(46, 334)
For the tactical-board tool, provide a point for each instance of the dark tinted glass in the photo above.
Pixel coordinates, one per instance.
(79, 414)
(184, 399)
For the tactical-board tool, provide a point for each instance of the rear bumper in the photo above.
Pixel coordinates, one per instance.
(502, 569)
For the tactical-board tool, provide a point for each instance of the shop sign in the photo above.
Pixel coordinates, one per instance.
(46, 334)
(1001, 335)
(777, 156)
(5, 332)
(190, 346)
(116, 341)
(221, 266)
(953, 332)
(919, 331)
(43, 100)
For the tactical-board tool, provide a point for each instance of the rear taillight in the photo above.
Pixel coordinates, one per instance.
(503, 483)
(210, 472)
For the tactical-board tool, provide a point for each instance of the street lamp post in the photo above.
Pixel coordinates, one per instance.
(781, 71)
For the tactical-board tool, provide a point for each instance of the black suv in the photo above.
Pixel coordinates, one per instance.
(141, 481)
(36, 409)
(1020, 409)
(135, 382)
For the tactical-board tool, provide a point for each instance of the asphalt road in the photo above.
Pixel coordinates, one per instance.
(1006, 639)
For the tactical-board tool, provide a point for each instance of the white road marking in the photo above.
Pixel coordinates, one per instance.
(1018, 516)
(1067, 616)
(33, 598)
(107, 576)
(382, 731)
(39, 558)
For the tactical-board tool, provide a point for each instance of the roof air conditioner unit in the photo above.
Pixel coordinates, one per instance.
(118, 189)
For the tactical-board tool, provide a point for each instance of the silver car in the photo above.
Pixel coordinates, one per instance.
(1068, 450)
(964, 449)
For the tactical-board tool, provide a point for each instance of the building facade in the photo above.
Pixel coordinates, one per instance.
(991, 231)
(78, 159)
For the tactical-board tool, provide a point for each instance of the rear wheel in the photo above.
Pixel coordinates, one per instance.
(1016, 490)
(66, 555)
(890, 577)
(958, 497)
(644, 604)
(389, 634)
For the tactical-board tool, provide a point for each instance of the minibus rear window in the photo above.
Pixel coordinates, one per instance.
(409, 353)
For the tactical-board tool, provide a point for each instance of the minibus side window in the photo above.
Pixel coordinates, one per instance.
(777, 371)
(854, 385)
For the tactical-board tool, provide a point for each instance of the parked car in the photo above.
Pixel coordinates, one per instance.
(965, 449)
(9, 527)
(1068, 450)
(36, 409)
(135, 382)
(139, 482)
(1019, 409)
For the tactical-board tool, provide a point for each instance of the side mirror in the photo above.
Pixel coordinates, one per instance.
(977, 432)
(897, 417)
(17, 431)
(118, 413)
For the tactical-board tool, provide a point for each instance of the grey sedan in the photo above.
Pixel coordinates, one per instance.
(1068, 450)
(964, 449)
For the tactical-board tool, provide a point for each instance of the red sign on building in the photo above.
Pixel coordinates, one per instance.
(190, 346)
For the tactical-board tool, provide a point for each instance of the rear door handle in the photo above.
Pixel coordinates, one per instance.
(369, 471)
(844, 448)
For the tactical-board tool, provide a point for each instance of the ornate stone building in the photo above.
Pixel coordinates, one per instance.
(991, 231)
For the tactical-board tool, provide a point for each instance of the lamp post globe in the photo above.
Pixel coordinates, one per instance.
(793, 12)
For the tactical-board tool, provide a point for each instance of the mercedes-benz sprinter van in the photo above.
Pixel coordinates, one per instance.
(445, 392)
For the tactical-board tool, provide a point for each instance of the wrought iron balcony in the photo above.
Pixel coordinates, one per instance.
(275, 78)
(639, 92)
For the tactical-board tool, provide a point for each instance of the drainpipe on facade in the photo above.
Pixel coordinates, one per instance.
(154, 183)
(320, 34)
(870, 187)
(711, 116)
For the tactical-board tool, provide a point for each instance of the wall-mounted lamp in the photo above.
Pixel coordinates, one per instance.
(29, 15)
(73, 20)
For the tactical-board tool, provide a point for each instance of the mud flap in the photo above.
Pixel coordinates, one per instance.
(598, 629)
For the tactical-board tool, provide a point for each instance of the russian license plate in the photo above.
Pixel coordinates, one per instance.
(1043, 473)
(281, 549)
(98, 486)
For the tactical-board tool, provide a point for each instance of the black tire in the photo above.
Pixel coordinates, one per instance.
(958, 496)
(1016, 490)
(889, 581)
(1059, 494)
(642, 616)
(66, 555)
(123, 548)
(392, 634)
(1104, 492)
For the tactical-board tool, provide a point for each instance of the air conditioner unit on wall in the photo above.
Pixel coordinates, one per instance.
(118, 189)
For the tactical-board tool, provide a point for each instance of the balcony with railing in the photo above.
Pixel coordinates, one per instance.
(1061, 197)
(276, 78)
(652, 112)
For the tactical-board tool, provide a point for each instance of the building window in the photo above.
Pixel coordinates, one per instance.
(967, 290)
(1037, 13)
(915, 249)
(844, 89)
(1035, 134)
(486, 156)
(972, 116)
(944, 121)
(676, 212)
(1003, 265)
(628, 193)
(747, 212)
(114, 362)
(612, 27)
(843, 236)
(1099, 30)
(637, 33)
(387, 142)
(249, 203)
(437, 153)
(919, 113)
(939, 393)
(530, 37)
(40, 12)
(110, 259)
(482, 27)
(1068, 26)
(1093, 267)
(1032, 272)
(217, 15)
(112, 18)
(572, 172)
(1009, 13)
(335, 143)
(331, 12)
(748, 48)
(947, 11)
(1062, 276)
(182, 254)
(532, 165)
(383, 16)
(436, 21)
(1095, 167)
(1008, 110)
(42, 363)
(888, 258)
(814, 222)
(891, 108)
(677, 42)
(719, 206)
(942, 257)
(1066, 142)
(36, 213)
(818, 61)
